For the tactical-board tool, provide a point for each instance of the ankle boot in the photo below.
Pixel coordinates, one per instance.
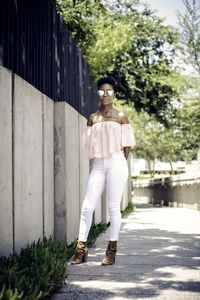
(109, 258)
(81, 253)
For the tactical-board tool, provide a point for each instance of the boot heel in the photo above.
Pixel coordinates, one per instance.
(109, 258)
(85, 257)
(81, 254)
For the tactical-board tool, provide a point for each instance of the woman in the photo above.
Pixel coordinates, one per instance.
(108, 139)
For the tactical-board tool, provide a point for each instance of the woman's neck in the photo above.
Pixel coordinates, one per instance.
(106, 108)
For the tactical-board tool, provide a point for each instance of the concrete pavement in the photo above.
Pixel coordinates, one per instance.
(158, 258)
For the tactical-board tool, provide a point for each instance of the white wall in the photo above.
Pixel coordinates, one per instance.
(6, 187)
(43, 171)
(26, 164)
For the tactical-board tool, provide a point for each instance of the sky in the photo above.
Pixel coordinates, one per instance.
(167, 9)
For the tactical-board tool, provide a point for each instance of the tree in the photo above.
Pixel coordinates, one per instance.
(113, 38)
(169, 146)
(188, 121)
(81, 17)
(132, 46)
(190, 32)
(140, 68)
(189, 114)
(153, 141)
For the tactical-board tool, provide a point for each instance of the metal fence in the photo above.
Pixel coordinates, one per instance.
(35, 44)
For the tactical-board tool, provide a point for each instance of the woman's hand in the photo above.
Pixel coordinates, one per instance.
(126, 152)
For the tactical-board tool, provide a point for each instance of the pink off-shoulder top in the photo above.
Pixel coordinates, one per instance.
(106, 137)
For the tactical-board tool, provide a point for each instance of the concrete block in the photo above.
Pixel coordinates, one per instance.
(84, 166)
(72, 172)
(6, 192)
(67, 205)
(48, 166)
(28, 203)
(60, 221)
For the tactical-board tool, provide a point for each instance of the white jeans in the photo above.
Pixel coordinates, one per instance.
(110, 172)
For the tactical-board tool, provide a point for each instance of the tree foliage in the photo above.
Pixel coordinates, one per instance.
(190, 32)
(137, 49)
(140, 68)
(114, 36)
(81, 17)
(189, 114)
(153, 140)
(130, 45)
(188, 122)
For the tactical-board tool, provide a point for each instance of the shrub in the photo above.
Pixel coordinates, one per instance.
(39, 269)
(35, 273)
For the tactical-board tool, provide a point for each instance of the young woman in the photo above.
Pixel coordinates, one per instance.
(108, 139)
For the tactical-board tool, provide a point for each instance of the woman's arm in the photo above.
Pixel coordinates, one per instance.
(90, 120)
(126, 151)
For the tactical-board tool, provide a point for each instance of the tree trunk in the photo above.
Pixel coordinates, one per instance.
(171, 166)
(149, 164)
(153, 164)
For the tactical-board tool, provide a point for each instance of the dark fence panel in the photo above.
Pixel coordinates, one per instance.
(35, 44)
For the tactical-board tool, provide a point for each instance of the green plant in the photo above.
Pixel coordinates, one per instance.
(35, 272)
(10, 294)
(129, 209)
(95, 231)
(39, 268)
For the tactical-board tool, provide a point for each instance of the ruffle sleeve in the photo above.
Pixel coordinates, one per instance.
(128, 137)
(85, 138)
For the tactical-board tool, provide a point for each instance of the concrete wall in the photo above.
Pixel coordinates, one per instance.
(27, 168)
(83, 163)
(6, 187)
(26, 164)
(43, 171)
(67, 158)
(48, 166)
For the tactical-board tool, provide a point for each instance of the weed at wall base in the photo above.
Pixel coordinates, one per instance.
(129, 209)
(39, 269)
(35, 272)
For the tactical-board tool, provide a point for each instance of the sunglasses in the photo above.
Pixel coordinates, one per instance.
(108, 92)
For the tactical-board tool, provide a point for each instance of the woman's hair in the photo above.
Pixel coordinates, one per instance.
(107, 80)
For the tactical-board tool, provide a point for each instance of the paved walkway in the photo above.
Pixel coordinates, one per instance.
(158, 258)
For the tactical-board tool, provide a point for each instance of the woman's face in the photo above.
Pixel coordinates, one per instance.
(106, 94)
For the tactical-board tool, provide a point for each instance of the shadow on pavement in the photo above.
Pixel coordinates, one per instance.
(152, 262)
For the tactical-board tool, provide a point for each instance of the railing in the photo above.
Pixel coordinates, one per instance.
(165, 180)
(178, 190)
(35, 44)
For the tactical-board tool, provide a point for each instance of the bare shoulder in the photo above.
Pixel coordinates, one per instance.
(91, 117)
(123, 118)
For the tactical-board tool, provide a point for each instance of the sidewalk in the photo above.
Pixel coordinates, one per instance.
(158, 258)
